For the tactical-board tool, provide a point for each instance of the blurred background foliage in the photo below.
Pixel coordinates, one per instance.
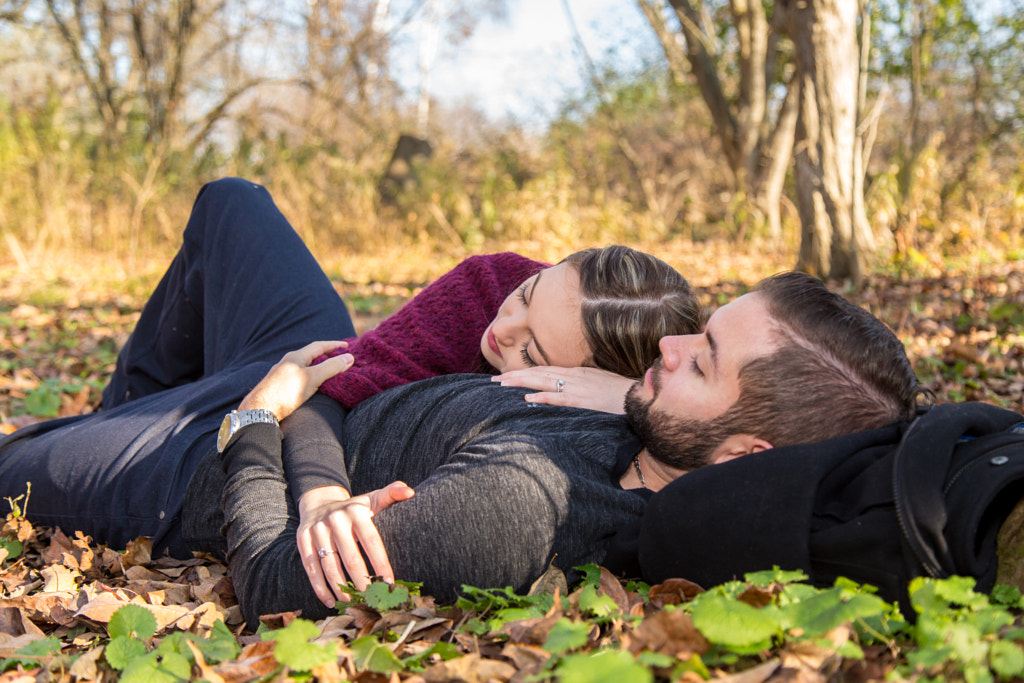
(114, 112)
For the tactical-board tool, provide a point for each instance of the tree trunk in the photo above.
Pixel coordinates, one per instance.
(824, 33)
(756, 148)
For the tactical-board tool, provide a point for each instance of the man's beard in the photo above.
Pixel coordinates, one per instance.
(683, 443)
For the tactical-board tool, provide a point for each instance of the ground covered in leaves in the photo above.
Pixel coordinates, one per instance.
(62, 596)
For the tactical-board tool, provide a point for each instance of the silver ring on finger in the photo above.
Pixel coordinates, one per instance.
(324, 552)
(559, 385)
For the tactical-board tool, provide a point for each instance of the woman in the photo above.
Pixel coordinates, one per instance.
(241, 293)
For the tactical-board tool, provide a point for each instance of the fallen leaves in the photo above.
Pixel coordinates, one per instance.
(964, 332)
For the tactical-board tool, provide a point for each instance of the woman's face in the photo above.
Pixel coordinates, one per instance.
(538, 324)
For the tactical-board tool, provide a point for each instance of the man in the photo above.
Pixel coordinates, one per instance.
(789, 363)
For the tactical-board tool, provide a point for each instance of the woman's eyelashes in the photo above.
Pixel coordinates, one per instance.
(521, 294)
(696, 368)
(525, 355)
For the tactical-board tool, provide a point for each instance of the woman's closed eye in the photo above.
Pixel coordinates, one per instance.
(521, 294)
(696, 368)
(525, 355)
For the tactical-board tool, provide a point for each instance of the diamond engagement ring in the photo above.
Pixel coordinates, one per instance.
(559, 385)
(324, 552)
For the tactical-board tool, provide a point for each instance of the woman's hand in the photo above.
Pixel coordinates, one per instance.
(334, 532)
(577, 387)
(293, 379)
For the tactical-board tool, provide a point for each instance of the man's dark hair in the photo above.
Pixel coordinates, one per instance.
(838, 370)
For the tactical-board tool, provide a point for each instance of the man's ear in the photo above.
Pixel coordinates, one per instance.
(738, 445)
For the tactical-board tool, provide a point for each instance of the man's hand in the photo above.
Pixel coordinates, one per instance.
(342, 528)
(577, 387)
(293, 380)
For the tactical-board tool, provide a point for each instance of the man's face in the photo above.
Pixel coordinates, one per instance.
(696, 380)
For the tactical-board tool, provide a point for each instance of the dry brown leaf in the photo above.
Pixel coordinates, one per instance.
(757, 674)
(9, 645)
(471, 668)
(59, 579)
(668, 632)
(139, 551)
(257, 660)
(205, 672)
(84, 667)
(14, 622)
(102, 608)
(673, 592)
(552, 581)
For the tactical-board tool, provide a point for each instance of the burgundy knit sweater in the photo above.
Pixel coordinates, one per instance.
(436, 333)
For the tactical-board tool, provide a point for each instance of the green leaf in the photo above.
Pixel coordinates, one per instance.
(591, 574)
(765, 578)
(566, 635)
(959, 590)
(823, 612)
(293, 648)
(221, 646)
(13, 548)
(149, 669)
(1006, 659)
(177, 665)
(648, 658)
(43, 401)
(503, 616)
(174, 643)
(123, 650)
(442, 649)
(850, 650)
(31, 653)
(608, 666)
(599, 605)
(1005, 595)
(966, 640)
(977, 673)
(370, 655)
(929, 657)
(132, 620)
(382, 597)
(734, 624)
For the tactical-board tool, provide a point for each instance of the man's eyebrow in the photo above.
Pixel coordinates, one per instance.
(713, 346)
(540, 349)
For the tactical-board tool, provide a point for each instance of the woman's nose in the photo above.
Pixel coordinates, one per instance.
(507, 328)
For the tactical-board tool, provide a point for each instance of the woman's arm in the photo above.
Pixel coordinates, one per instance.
(336, 530)
(261, 524)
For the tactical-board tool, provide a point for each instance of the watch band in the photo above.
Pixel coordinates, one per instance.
(236, 420)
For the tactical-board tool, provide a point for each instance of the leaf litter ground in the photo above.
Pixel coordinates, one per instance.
(965, 333)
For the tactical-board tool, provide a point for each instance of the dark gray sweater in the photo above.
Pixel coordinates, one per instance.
(503, 488)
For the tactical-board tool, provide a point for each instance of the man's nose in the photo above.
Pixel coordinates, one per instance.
(673, 349)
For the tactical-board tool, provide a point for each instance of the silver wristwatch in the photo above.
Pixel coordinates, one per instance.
(236, 420)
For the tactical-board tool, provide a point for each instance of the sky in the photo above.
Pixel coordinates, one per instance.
(519, 68)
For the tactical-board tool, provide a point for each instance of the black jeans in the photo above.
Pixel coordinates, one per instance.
(242, 291)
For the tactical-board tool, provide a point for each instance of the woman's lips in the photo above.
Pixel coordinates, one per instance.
(493, 343)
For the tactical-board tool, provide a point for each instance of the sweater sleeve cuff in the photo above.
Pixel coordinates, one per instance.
(256, 445)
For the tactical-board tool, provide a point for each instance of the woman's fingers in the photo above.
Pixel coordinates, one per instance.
(591, 388)
(395, 492)
(293, 380)
(334, 522)
(313, 565)
(309, 352)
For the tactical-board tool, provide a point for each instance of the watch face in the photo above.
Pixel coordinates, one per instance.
(225, 432)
